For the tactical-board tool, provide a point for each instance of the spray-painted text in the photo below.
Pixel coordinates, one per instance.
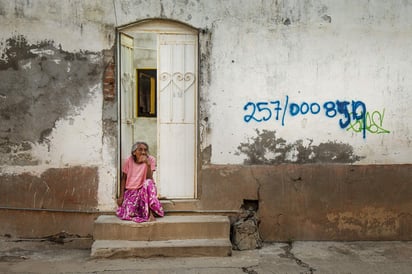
(352, 114)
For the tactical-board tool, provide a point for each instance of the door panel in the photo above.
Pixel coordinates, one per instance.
(126, 94)
(177, 115)
(176, 172)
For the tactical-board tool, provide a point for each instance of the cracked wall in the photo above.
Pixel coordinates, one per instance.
(306, 68)
(73, 188)
(316, 201)
(58, 135)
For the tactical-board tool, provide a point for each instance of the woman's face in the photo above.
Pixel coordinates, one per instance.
(141, 150)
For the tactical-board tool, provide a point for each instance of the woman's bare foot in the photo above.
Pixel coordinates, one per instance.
(152, 217)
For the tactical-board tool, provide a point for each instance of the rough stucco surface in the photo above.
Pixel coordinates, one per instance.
(319, 202)
(40, 85)
(73, 188)
(267, 149)
(39, 224)
(303, 168)
(61, 199)
(225, 188)
(54, 56)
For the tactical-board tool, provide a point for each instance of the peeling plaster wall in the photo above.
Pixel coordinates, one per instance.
(53, 116)
(310, 84)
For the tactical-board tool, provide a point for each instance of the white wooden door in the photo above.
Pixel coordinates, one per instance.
(126, 95)
(177, 97)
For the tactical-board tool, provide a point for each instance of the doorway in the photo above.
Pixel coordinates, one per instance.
(157, 63)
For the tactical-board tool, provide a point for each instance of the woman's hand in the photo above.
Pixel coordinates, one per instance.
(143, 159)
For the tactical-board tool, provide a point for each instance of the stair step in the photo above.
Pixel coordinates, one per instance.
(170, 248)
(109, 227)
(191, 207)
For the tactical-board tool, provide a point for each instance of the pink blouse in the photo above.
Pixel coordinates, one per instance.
(136, 173)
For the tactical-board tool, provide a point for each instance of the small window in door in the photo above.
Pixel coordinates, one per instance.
(146, 92)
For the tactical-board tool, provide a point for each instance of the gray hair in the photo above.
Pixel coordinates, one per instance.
(134, 147)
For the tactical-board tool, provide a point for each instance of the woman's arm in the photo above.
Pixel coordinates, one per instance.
(149, 174)
(144, 159)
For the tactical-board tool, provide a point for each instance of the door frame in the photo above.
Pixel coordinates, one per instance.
(167, 27)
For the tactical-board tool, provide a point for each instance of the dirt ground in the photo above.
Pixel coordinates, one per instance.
(62, 255)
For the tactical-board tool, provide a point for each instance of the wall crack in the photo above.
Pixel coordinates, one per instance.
(289, 254)
(249, 270)
(257, 183)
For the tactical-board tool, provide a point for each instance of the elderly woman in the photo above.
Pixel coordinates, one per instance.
(138, 195)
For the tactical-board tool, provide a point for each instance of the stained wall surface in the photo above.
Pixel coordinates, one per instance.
(304, 106)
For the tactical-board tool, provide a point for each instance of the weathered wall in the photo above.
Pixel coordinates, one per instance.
(60, 199)
(301, 70)
(319, 202)
(58, 116)
(304, 106)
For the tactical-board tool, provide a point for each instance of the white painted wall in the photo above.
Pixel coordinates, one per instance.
(76, 139)
(363, 54)
(313, 63)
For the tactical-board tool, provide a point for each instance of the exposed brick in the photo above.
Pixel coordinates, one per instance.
(109, 82)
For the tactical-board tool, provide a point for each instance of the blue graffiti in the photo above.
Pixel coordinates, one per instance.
(304, 108)
(349, 112)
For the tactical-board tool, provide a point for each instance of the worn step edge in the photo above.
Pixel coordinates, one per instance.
(171, 248)
(166, 228)
(166, 219)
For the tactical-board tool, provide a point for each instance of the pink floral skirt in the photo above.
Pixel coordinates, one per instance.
(138, 203)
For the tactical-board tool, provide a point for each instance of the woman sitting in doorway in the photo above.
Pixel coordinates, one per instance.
(138, 195)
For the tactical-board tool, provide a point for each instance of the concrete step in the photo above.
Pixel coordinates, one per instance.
(180, 205)
(109, 227)
(171, 248)
(191, 207)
